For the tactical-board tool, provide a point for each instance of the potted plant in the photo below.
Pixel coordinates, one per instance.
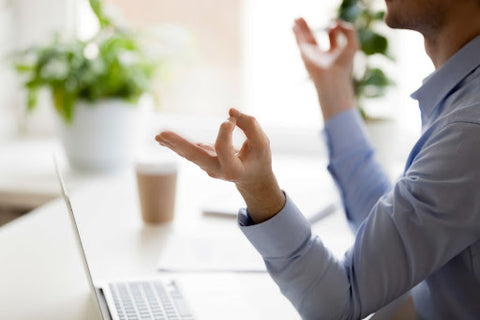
(95, 86)
(370, 81)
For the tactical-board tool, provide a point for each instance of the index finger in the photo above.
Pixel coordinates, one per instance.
(250, 127)
(303, 31)
(189, 151)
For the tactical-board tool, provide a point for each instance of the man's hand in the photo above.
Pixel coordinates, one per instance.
(250, 168)
(331, 70)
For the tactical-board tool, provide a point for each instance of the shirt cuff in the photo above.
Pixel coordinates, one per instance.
(345, 132)
(279, 236)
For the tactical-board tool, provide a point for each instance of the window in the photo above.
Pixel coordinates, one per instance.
(210, 78)
(243, 54)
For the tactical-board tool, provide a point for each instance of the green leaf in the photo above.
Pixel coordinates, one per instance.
(378, 16)
(372, 42)
(373, 84)
(68, 103)
(57, 97)
(98, 10)
(21, 68)
(366, 18)
(350, 14)
(32, 97)
(376, 77)
(348, 3)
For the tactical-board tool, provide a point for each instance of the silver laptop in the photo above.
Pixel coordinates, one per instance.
(152, 299)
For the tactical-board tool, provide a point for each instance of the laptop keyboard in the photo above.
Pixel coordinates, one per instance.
(151, 300)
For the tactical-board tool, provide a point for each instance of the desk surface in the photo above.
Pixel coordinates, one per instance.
(41, 273)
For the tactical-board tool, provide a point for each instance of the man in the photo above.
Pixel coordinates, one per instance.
(421, 233)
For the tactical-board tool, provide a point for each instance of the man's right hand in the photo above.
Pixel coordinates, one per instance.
(250, 168)
(330, 70)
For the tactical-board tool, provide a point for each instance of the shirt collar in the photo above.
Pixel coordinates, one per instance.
(439, 84)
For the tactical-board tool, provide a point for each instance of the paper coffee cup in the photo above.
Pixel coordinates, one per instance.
(156, 183)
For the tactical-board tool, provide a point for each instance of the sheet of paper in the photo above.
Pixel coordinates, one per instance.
(229, 252)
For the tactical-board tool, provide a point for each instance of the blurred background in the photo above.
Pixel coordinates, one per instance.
(223, 53)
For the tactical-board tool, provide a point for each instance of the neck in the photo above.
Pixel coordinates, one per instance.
(463, 26)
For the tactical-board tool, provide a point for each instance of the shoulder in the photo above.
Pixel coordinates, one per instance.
(444, 177)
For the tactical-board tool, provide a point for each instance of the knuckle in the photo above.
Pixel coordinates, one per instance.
(211, 174)
(220, 148)
(267, 142)
(191, 156)
(251, 120)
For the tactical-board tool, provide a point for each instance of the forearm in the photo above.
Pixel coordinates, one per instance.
(362, 183)
(353, 165)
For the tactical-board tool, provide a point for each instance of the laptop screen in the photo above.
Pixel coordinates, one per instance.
(81, 250)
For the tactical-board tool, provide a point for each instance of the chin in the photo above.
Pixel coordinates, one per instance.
(388, 14)
(393, 20)
(393, 15)
(390, 21)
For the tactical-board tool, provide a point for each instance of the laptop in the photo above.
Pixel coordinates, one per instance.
(150, 299)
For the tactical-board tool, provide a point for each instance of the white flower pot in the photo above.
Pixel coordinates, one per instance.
(102, 136)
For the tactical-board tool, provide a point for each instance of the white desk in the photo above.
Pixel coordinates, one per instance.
(41, 275)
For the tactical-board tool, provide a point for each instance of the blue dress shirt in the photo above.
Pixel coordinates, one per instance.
(420, 234)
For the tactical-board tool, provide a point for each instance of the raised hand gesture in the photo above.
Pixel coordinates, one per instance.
(330, 70)
(250, 168)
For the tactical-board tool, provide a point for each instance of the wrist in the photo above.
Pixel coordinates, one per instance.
(264, 198)
(335, 95)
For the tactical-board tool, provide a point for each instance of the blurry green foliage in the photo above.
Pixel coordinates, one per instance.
(372, 82)
(113, 64)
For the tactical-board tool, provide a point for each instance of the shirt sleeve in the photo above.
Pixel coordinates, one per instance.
(297, 261)
(429, 217)
(359, 177)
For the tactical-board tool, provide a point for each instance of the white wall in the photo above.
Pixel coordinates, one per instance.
(24, 23)
(209, 78)
(8, 125)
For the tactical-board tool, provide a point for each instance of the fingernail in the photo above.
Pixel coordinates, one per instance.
(232, 120)
(163, 144)
(163, 141)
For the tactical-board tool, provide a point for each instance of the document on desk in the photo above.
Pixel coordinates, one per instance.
(214, 252)
(316, 198)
